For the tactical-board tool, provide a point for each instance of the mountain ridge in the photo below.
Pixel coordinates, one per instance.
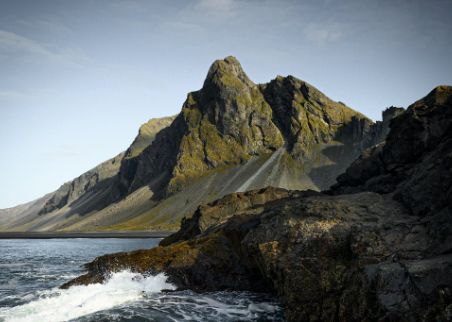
(231, 135)
(212, 117)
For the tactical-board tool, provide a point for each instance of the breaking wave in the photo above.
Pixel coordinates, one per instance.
(62, 305)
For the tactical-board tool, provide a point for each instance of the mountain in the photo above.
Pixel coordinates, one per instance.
(375, 247)
(77, 195)
(232, 135)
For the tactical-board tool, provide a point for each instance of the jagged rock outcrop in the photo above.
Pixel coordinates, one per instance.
(306, 116)
(414, 163)
(376, 247)
(365, 135)
(379, 131)
(219, 211)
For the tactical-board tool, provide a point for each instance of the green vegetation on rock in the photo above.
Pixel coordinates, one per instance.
(146, 135)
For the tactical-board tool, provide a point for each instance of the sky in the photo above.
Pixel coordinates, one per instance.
(78, 78)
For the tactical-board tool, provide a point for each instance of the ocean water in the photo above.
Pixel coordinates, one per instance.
(32, 269)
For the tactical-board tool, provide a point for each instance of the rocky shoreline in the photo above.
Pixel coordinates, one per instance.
(375, 247)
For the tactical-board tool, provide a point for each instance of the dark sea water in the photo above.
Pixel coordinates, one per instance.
(32, 269)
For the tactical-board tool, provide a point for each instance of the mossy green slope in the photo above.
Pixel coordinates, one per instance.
(306, 116)
(146, 134)
(228, 121)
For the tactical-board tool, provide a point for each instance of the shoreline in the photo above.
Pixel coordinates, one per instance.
(54, 235)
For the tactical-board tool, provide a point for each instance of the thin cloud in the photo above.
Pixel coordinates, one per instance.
(323, 33)
(182, 27)
(46, 25)
(12, 43)
(200, 16)
(209, 11)
(11, 94)
(225, 7)
(63, 151)
(132, 6)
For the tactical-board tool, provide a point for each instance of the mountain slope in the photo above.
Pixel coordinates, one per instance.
(231, 135)
(93, 184)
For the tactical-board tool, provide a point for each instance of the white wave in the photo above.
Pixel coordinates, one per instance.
(199, 308)
(216, 306)
(62, 305)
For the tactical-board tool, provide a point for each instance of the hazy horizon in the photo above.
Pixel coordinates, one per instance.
(79, 78)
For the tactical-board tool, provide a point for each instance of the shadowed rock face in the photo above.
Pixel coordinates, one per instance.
(414, 163)
(364, 251)
(147, 134)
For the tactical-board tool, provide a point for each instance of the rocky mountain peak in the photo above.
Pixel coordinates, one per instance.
(440, 95)
(391, 112)
(227, 74)
(231, 120)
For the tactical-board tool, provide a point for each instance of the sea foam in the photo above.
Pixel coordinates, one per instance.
(62, 305)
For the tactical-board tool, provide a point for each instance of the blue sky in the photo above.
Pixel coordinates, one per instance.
(79, 77)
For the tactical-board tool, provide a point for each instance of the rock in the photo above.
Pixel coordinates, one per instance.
(376, 133)
(376, 247)
(306, 116)
(325, 256)
(414, 162)
(146, 135)
(221, 210)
